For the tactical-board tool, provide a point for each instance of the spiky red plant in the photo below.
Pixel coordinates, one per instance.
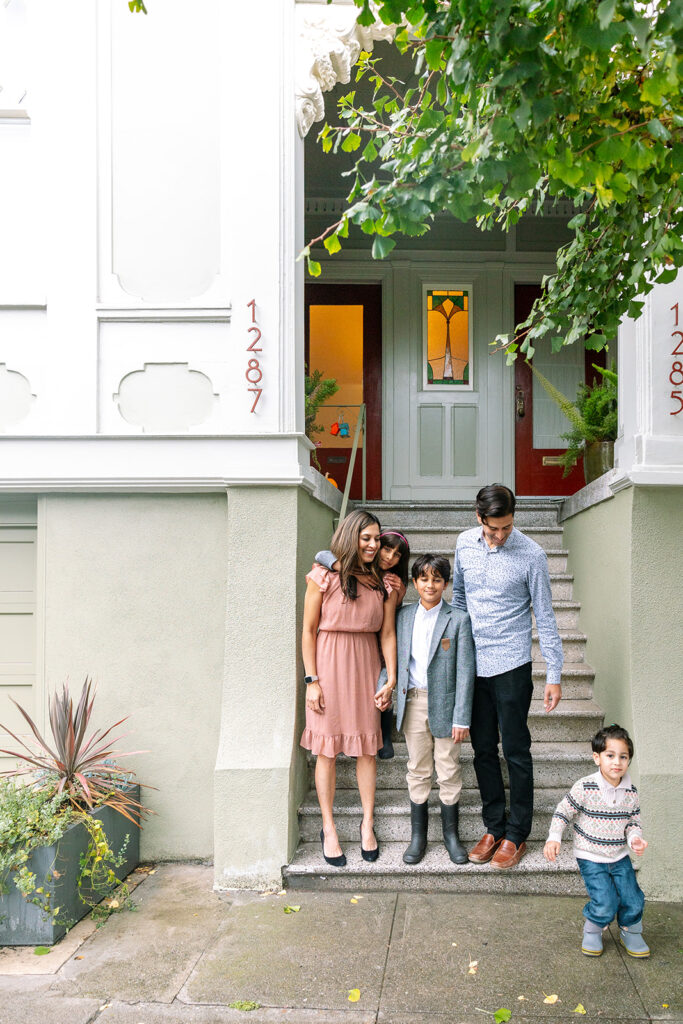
(85, 769)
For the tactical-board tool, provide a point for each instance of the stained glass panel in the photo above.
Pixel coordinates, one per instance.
(448, 348)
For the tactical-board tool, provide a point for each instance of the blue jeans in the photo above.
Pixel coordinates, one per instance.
(613, 889)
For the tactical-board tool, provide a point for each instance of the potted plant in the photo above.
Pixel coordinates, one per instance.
(69, 824)
(317, 390)
(594, 421)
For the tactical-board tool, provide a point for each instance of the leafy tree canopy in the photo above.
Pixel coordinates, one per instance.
(516, 102)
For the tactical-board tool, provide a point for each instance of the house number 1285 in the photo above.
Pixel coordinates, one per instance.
(253, 372)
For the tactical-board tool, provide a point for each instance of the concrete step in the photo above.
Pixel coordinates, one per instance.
(573, 646)
(443, 538)
(557, 560)
(392, 815)
(561, 585)
(435, 873)
(557, 765)
(458, 514)
(577, 680)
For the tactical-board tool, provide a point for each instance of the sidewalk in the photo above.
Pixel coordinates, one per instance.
(187, 953)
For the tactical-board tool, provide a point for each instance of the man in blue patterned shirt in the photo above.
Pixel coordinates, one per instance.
(498, 575)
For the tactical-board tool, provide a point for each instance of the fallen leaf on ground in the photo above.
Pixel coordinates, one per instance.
(244, 1004)
(41, 950)
(502, 1015)
(454, 943)
(293, 909)
(354, 995)
(579, 1009)
(153, 871)
(521, 997)
(551, 999)
(105, 1006)
(78, 958)
(353, 900)
(113, 904)
(282, 892)
(473, 966)
(665, 1006)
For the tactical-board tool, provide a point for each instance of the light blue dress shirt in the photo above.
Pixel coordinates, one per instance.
(498, 587)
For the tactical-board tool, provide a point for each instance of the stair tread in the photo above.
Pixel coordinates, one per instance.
(395, 801)
(562, 750)
(308, 860)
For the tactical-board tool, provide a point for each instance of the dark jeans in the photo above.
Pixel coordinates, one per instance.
(502, 703)
(613, 889)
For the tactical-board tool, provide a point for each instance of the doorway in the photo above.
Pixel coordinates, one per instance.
(343, 339)
(539, 423)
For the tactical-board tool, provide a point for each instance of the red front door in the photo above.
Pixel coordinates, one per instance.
(536, 470)
(344, 341)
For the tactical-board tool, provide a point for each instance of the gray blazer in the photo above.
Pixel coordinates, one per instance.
(450, 675)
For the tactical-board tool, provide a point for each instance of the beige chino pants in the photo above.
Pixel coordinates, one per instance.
(426, 752)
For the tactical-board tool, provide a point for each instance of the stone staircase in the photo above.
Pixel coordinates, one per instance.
(561, 748)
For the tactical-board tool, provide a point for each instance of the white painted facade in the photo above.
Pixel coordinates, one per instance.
(153, 206)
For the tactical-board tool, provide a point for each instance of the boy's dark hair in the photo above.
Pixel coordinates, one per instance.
(439, 565)
(611, 732)
(495, 501)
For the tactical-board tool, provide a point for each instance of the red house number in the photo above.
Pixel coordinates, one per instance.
(253, 372)
(676, 375)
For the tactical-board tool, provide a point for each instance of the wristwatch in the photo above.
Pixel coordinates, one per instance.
(310, 679)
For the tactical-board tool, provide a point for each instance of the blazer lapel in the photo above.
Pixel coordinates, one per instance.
(407, 623)
(442, 621)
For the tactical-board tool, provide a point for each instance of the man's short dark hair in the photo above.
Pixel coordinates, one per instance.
(495, 501)
(439, 565)
(611, 732)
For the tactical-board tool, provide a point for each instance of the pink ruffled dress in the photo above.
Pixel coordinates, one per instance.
(348, 665)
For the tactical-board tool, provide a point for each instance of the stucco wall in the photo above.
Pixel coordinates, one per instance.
(260, 772)
(628, 563)
(134, 595)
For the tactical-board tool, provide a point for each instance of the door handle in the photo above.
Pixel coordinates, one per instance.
(519, 404)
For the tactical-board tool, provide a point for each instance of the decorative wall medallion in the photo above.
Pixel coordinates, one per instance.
(329, 41)
(165, 398)
(15, 397)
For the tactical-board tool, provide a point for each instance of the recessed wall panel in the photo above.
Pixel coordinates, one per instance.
(464, 440)
(431, 440)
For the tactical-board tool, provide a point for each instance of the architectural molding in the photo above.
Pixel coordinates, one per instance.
(329, 42)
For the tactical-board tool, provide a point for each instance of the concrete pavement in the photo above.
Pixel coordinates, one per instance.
(186, 953)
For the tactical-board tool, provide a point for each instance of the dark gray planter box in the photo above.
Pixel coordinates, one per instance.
(23, 923)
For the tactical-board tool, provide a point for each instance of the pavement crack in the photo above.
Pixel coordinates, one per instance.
(386, 959)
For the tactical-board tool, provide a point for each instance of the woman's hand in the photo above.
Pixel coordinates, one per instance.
(383, 697)
(314, 698)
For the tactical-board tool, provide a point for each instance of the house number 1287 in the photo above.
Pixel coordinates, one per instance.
(253, 372)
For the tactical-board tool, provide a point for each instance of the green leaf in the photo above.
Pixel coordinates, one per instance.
(314, 268)
(502, 1015)
(658, 131)
(41, 950)
(381, 247)
(332, 244)
(433, 53)
(370, 151)
(605, 14)
(351, 142)
(294, 909)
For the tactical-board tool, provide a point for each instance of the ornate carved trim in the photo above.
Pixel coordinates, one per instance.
(329, 42)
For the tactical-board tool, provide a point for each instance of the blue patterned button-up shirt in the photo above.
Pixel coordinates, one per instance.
(498, 587)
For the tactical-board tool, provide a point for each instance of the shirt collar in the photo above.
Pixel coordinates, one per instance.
(431, 613)
(607, 787)
(481, 539)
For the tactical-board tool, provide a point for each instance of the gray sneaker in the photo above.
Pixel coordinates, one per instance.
(591, 944)
(632, 940)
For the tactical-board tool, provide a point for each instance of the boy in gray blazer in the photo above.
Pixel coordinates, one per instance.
(435, 683)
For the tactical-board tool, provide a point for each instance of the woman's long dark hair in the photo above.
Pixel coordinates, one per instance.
(344, 546)
(395, 539)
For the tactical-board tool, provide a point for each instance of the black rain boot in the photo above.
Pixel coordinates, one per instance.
(387, 750)
(418, 827)
(449, 824)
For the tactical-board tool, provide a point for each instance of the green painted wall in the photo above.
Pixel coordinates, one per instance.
(260, 772)
(133, 594)
(628, 564)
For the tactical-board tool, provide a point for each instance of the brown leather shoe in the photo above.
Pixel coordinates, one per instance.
(507, 854)
(485, 849)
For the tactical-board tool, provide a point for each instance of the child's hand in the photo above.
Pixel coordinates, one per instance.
(393, 580)
(458, 735)
(638, 845)
(383, 697)
(551, 850)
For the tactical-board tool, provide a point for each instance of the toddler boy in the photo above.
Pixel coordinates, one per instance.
(435, 682)
(606, 818)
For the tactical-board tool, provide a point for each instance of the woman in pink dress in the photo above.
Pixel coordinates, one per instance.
(343, 613)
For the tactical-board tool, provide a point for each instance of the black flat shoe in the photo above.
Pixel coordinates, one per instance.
(336, 862)
(368, 855)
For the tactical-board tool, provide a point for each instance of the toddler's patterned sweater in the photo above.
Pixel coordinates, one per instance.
(605, 818)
